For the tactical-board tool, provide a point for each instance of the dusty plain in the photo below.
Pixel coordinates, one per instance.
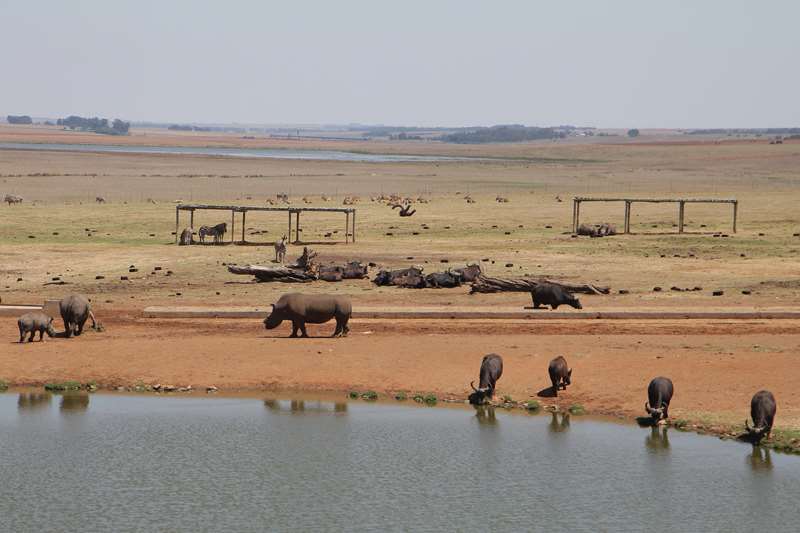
(716, 365)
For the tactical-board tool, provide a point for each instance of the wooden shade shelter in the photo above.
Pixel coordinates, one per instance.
(576, 208)
(350, 214)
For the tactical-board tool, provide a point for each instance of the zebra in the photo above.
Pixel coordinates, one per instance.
(217, 232)
(280, 249)
(12, 199)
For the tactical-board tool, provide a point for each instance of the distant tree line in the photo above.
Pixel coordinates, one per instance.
(95, 124)
(633, 132)
(187, 127)
(19, 119)
(503, 134)
(746, 131)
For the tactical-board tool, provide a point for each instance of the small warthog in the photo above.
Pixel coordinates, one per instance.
(762, 411)
(313, 309)
(560, 374)
(33, 322)
(491, 370)
(659, 394)
(553, 295)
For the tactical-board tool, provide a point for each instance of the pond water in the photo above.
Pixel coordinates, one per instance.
(144, 463)
(268, 153)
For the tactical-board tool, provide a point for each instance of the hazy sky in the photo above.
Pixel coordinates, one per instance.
(607, 63)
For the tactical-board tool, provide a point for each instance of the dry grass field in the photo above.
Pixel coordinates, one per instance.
(46, 236)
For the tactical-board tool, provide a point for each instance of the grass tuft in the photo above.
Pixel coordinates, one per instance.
(533, 405)
(370, 395)
(576, 409)
(61, 386)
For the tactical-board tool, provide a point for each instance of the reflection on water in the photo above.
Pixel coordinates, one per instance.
(760, 459)
(485, 414)
(658, 439)
(74, 401)
(559, 422)
(304, 406)
(31, 401)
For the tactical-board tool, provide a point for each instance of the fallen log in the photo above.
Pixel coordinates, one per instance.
(273, 273)
(485, 284)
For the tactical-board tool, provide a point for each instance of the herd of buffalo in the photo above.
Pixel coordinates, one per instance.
(302, 309)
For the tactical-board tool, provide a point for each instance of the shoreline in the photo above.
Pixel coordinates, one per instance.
(782, 440)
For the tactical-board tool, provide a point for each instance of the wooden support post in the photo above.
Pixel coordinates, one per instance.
(735, 213)
(244, 221)
(681, 209)
(177, 220)
(233, 225)
(577, 215)
(627, 223)
(574, 227)
(354, 226)
(346, 227)
(289, 235)
(297, 228)
(191, 219)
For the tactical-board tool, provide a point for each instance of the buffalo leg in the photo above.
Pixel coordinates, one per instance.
(68, 328)
(21, 335)
(555, 387)
(33, 334)
(666, 412)
(345, 329)
(338, 331)
(41, 335)
(79, 327)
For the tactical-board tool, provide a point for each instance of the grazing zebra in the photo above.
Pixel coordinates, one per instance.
(280, 249)
(217, 232)
(12, 199)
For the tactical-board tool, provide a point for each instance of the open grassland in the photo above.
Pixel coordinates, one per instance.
(46, 236)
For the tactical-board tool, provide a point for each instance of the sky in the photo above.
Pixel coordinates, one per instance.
(604, 63)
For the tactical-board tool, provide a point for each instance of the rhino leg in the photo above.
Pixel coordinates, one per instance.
(553, 307)
(79, 327)
(33, 334)
(295, 328)
(555, 387)
(41, 335)
(303, 330)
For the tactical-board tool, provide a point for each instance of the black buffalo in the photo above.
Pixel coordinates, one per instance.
(491, 370)
(659, 394)
(553, 295)
(762, 411)
(560, 374)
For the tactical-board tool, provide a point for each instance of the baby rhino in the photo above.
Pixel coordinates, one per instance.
(312, 309)
(33, 322)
